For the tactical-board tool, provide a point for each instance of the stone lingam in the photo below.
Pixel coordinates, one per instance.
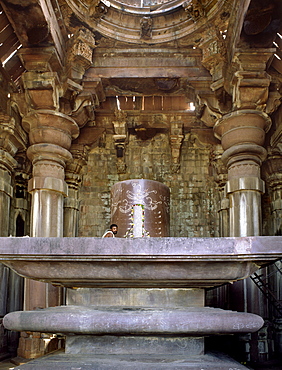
(136, 303)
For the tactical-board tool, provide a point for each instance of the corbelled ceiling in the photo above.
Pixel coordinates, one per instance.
(144, 46)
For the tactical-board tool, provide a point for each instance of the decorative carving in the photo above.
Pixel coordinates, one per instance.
(120, 137)
(194, 9)
(98, 9)
(80, 51)
(11, 140)
(73, 168)
(214, 53)
(146, 28)
(220, 170)
(176, 139)
(207, 109)
(145, 197)
(121, 166)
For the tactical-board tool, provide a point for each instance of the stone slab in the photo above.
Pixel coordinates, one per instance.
(149, 362)
(138, 262)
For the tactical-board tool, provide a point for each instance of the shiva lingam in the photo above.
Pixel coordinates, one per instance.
(136, 302)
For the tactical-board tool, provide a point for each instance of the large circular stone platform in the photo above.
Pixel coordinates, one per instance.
(133, 320)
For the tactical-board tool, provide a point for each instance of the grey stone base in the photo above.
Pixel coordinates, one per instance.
(62, 361)
(134, 345)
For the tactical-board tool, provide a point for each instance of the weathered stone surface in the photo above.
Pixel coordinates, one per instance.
(134, 345)
(133, 297)
(133, 320)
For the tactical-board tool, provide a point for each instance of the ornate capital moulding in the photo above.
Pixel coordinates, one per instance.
(168, 20)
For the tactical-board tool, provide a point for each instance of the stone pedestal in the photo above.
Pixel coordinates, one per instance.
(136, 303)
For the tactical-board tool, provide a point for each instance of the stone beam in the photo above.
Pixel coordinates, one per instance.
(138, 63)
(35, 22)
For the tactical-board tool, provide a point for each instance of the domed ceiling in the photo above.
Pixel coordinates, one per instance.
(148, 21)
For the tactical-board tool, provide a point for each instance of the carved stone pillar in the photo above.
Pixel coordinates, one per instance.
(10, 142)
(50, 136)
(242, 136)
(73, 179)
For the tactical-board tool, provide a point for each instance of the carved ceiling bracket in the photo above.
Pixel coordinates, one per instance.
(73, 169)
(176, 139)
(213, 100)
(208, 109)
(214, 53)
(41, 81)
(80, 52)
(251, 82)
(120, 138)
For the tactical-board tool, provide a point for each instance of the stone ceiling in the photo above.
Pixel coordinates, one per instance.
(144, 48)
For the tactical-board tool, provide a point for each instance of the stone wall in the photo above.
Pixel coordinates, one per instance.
(194, 195)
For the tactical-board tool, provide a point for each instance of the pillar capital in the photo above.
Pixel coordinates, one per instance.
(242, 135)
(48, 126)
